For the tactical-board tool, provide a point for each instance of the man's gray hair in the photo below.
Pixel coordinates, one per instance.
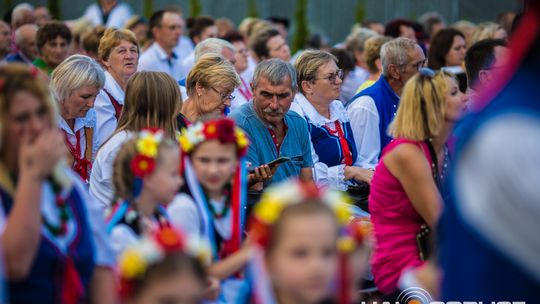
(19, 9)
(212, 46)
(19, 37)
(274, 70)
(355, 41)
(396, 52)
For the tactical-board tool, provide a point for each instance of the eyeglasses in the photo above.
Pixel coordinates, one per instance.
(332, 78)
(420, 64)
(224, 96)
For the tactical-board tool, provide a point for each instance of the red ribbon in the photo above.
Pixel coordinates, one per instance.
(117, 106)
(233, 244)
(245, 91)
(72, 289)
(80, 164)
(347, 154)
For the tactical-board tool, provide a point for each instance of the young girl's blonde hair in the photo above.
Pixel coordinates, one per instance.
(123, 177)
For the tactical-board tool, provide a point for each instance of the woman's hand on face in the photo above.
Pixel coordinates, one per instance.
(38, 158)
(358, 174)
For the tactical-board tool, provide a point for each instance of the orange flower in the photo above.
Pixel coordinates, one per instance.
(142, 165)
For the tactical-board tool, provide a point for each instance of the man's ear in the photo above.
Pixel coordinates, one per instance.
(483, 77)
(153, 30)
(393, 71)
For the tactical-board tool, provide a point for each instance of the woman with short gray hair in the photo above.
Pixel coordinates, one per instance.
(75, 84)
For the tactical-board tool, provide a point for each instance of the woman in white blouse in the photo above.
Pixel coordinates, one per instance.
(75, 84)
(152, 101)
(334, 152)
(119, 54)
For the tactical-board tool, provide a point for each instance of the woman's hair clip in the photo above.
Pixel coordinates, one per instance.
(427, 72)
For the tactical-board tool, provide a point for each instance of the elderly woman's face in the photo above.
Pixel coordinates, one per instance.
(123, 59)
(27, 115)
(79, 102)
(327, 82)
(214, 99)
(55, 51)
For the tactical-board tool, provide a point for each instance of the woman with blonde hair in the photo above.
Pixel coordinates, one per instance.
(209, 86)
(152, 101)
(119, 53)
(75, 84)
(488, 30)
(54, 244)
(372, 57)
(406, 191)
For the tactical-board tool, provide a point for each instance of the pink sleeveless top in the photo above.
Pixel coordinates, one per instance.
(395, 224)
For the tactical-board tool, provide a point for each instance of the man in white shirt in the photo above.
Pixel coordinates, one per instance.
(372, 110)
(216, 46)
(166, 28)
(110, 13)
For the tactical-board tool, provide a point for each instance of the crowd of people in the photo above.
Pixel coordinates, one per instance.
(192, 161)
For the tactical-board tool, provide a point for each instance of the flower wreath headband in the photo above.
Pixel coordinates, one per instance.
(222, 129)
(144, 162)
(352, 231)
(134, 262)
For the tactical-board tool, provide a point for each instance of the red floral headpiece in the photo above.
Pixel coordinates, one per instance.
(222, 129)
(147, 145)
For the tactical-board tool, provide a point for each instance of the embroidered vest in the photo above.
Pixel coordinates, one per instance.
(386, 102)
(46, 278)
(328, 146)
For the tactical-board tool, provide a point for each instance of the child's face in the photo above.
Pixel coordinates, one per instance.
(304, 260)
(165, 181)
(182, 288)
(214, 164)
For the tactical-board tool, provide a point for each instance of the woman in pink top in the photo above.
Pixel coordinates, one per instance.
(405, 190)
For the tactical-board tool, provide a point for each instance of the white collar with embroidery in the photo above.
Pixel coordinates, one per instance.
(336, 108)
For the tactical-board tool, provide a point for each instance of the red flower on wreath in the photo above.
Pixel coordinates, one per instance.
(142, 165)
(170, 240)
(226, 131)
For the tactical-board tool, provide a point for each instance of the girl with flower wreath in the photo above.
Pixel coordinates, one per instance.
(146, 176)
(305, 249)
(163, 267)
(152, 100)
(54, 244)
(213, 206)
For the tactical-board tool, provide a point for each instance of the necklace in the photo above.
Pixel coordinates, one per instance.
(60, 202)
(224, 211)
